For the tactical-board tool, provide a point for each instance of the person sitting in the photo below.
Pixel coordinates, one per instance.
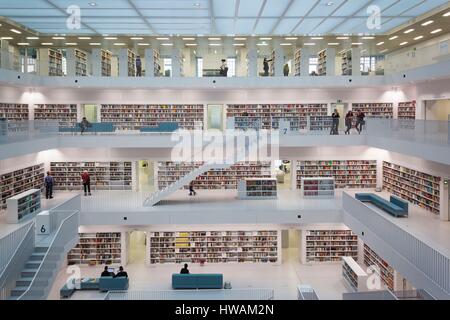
(106, 273)
(121, 273)
(185, 270)
(84, 125)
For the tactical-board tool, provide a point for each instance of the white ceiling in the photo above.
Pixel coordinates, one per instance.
(215, 17)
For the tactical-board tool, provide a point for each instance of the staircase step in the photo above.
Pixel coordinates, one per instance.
(18, 291)
(40, 249)
(32, 264)
(37, 256)
(28, 273)
(24, 281)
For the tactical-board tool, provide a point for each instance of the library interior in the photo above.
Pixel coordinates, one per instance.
(259, 150)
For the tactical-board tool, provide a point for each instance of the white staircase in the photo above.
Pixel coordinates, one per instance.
(185, 180)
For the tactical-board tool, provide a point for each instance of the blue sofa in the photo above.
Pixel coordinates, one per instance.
(396, 206)
(110, 283)
(162, 127)
(197, 281)
(95, 127)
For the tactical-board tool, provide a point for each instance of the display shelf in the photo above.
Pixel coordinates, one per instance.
(106, 63)
(156, 63)
(407, 110)
(23, 205)
(131, 63)
(354, 276)
(328, 246)
(259, 246)
(134, 117)
(346, 63)
(387, 273)
(104, 175)
(97, 249)
(14, 111)
(320, 187)
(297, 62)
(66, 114)
(373, 110)
(80, 63)
(322, 63)
(19, 181)
(170, 172)
(346, 173)
(257, 188)
(419, 188)
(55, 58)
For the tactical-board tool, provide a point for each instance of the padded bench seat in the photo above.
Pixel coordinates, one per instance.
(396, 206)
(197, 281)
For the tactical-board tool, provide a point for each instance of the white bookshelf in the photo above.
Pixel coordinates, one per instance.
(156, 63)
(317, 187)
(356, 174)
(354, 276)
(101, 248)
(407, 110)
(14, 111)
(21, 180)
(417, 187)
(328, 246)
(374, 110)
(257, 188)
(272, 64)
(55, 58)
(80, 63)
(322, 63)
(346, 66)
(106, 63)
(255, 246)
(104, 175)
(387, 273)
(23, 205)
(131, 63)
(297, 62)
(66, 114)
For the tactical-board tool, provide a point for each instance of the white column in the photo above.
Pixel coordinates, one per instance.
(304, 62)
(176, 59)
(279, 58)
(444, 196)
(123, 62)
(379, 173)
(356, 57)
(70, 60)
(5, 63)
(252, 57)
(331, 62)
(96, 62)
(149, 63)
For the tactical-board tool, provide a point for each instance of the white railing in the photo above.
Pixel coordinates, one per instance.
(205, 294)
(13, 131)
(63, 210)
(432, 263)
(65, 238)
(22, 243)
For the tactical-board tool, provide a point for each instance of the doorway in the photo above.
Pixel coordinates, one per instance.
(437, 110)
(342, 108)
(90, 112)
(215, 117)
(146, 176)
(282, 170)
(138, 245)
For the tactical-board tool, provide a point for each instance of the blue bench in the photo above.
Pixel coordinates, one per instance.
(396, 206)
(110, 283)
(95, 127)
(197, 281)
(162, 127)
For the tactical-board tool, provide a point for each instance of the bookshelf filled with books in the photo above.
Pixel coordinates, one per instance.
(354, 276)
(386, 272)
(55, 62)
(255, 246)
(257, 188)
(346, 66)
(134, 117)
(14, 111)
(21, 180)
(170, 172)
(23, 205)
(131, 63)
(80, 63)
(104, 175)
(374, 110)
(319, 187)
(417, 187)
(66, 114)
(328, 246)
(156, 63)
(407, 110)
(101, 248)
(297, 62)
(322, 63)
(106, 63)
(272, 64)
(346, 173)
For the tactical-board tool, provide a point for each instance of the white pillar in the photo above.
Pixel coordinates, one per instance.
(252, 57)
(70, 60)
(331, 62)
(356, 57)
(96, 62)
(176, 59)
(279, 58)
(149, 63)
(444, 196)
(123, 62)
(304, 62)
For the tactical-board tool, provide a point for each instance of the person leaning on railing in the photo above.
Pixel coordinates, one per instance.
(84, 125)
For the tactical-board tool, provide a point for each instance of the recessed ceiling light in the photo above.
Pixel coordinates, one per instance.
(189, 39)
(214, 39)
(84, 38)
(403, 43)
(6, 38)
(58, 38)
(342, 38)
(162, 38)
(190, 44)
(95, 44)
(238, 44)
(262, 44)
(215, 44)
(137, 38)
(380, 43)
(356, 43)
(285, 44)
(446, 14)
(92, 4)
(47, 43)
(393, 38)
(119, 44)
(333, 43)
(110, 38)
(364, 50)
(71, 43)
(167, 44)
(368, 38)
(329, 4)
(383, 51)
(409, 30)
(240, 39)
(266, 38)
(16, 31)
(32, 38)
(316, 38)
(436, 31)
(23, 44)
(427, 23)
(143, 44)
(309, 44)
(291, 38)
(196, 4)
(418, 38)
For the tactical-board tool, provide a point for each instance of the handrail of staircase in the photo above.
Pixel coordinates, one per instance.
(18, 258)
(55, 249)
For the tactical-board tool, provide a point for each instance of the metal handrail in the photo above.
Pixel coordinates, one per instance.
(9, 243)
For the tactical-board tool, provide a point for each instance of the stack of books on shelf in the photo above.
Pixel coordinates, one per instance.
(16, 182)
(374, 110)
(80, 63)
(257, 188)
(170, 172)
(104, 175)
(97, 249)
(323, 246)
(346, 173)
(386, 271)
(354, 276)
(156, 63)
(214, 247)
(14, 111)
(419, 188)
(106, 63)
(347, 63)
(322, 63)
(318, 187)
(250, 116)
(65, 113)
(297, 62)
(55, 58)
(131, 63)
(134, 117)
(407, 110)
(23, 205)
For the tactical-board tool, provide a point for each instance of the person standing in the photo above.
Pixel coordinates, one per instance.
(191, 189)
(86, 179)
(48, 182)
(360, 121)
(286, 70)
(348, 121)
(266, 66)
(335, 124)
(138, 66)
(224, 68)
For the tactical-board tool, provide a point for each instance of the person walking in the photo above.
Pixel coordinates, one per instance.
(348, 121)
(86, 179)
(335, 124)
(266, 66)
(191, 189)
(360, 122)
(48, 182)
(138, 66)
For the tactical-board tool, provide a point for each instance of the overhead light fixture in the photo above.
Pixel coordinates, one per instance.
(291, 38)
(285, 44)
(418, 38)
(436, 31)
(240, 39)
(16, 31)
(189, 39)
(342, 38)
(333, 43)
(167, 44)
(137, 38)
(356, 43)
(368, 38)
(23, 44)
(143, 44)
(214, 39)
(383, 51)
(329, 4)
(267, 38)
(238, 44)
(380, 43)
(393, 38)
(190, 44)
(84, 38)
(58, 38)
(32, 38)
(215, 44)
(364, 50)
(47, 43)
(196, 4)
(262, 44)
(71, 43)
(409, 31)
(309, 44)
(446, 14)
(6, 38)
(162, 38)
(403, 43)
(110, 38)
(92, 4)
(95, 44)
(316, 38)
(427, 23)
(119, 44)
